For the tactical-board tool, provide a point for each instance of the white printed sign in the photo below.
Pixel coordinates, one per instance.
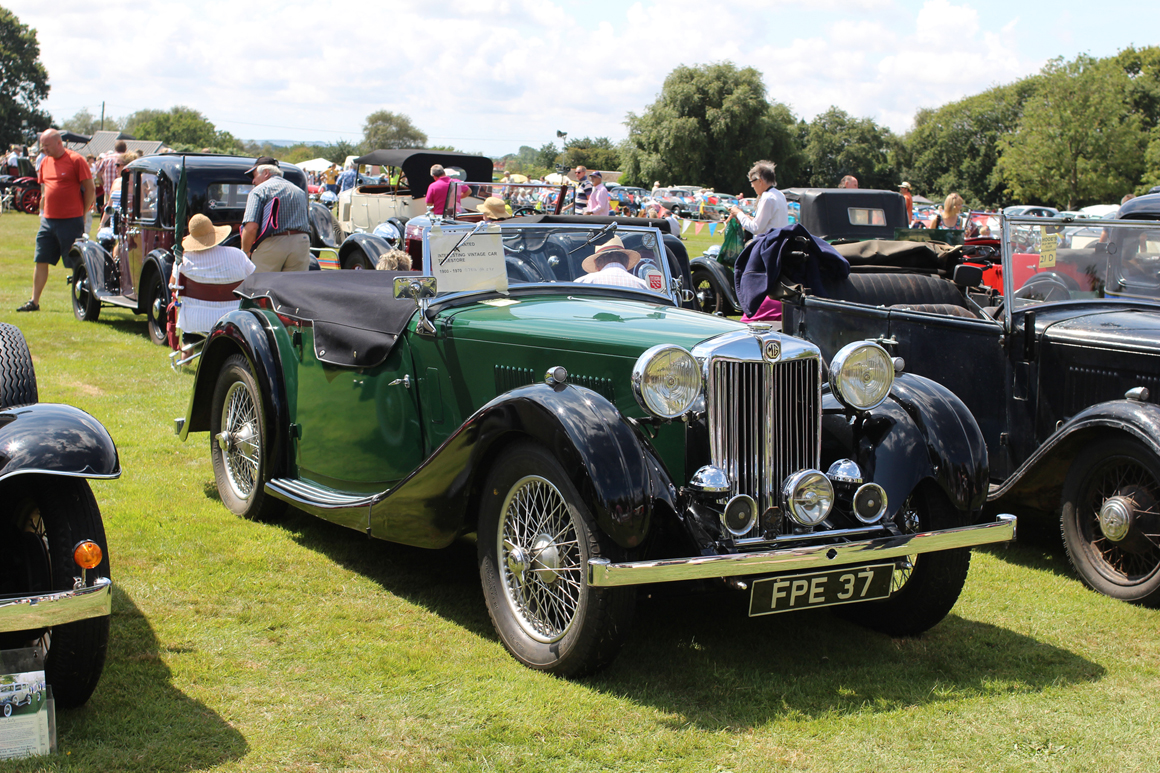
(477, 263)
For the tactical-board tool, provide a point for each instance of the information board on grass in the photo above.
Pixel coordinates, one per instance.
(466, 264)
(27, 726)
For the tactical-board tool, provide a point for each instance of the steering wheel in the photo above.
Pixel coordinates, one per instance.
(1044, 287)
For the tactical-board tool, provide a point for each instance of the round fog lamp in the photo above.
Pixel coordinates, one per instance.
(87, 554)
(869, 503)
(666, 380)
(861, 375)
(808, 497)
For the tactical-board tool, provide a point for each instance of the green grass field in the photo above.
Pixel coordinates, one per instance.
(302, 646)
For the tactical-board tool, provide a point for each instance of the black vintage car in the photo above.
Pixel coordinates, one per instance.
(835, 214)
(55, 591)
(132, 270)
(1060, 367)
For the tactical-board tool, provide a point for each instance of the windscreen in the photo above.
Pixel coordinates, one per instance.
(1057, 260)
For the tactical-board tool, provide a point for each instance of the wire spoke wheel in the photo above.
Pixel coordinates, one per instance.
(541, 562)
(1111, 520)
(240, 440)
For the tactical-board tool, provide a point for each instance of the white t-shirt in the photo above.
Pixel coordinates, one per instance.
(772, 212)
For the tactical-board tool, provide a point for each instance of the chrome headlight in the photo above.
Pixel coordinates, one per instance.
(390, 232)
(808, 497)
(666, 380)
(861, 375)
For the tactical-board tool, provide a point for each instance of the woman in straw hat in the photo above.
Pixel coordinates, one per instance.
(493, 208)
(207, 276)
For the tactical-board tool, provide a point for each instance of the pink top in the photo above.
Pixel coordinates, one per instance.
(437, 193)
(598, 201)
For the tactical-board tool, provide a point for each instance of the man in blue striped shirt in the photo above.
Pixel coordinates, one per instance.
(281, 231)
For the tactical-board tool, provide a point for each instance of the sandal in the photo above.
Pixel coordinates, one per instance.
(29, 306)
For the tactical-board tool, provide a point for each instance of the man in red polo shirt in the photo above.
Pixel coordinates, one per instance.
(66, 194)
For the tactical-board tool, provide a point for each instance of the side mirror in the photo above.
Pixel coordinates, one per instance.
(967, 275)
(417, 288)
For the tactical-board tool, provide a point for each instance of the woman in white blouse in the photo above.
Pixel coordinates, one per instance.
(207, 276)
(771, 209)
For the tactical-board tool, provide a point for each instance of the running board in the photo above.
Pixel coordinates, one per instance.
(324, 502)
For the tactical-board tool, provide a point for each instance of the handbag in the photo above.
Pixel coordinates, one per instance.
(731, 243)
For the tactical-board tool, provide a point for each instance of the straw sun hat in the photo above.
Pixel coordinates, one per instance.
(613, 245)
(203, 234)
(493, 207)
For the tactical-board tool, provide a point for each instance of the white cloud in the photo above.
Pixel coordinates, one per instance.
(491, 75)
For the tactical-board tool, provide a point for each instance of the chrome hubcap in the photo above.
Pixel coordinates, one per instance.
(1116, 518)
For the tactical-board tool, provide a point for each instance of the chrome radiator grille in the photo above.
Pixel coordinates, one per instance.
(765, 423)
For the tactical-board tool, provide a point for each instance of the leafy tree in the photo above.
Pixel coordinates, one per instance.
(597, 153)
(955, 147)
(547, 155)
(23, 82)
(384, 129)
(337, 152)
(836, 144)
(1078, 142)
(708, 126)
(1142, 67)
(1151, 176)
(177, 126)
(83, 122)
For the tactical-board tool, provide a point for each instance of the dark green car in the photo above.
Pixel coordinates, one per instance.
(596, 438)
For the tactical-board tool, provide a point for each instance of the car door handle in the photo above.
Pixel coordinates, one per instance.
(405, 381)
(883, 341)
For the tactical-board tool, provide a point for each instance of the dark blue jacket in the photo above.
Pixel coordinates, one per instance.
(791, 255)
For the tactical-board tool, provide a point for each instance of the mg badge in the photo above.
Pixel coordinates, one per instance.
(772, 350)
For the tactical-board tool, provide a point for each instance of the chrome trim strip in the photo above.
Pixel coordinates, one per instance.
(57, 608)
(310, 497)
(604, 573)
(62, 474)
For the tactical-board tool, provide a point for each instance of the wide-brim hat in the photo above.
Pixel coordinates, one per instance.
(905, 185)
(613, 245)
(493, 207)
(203, 234)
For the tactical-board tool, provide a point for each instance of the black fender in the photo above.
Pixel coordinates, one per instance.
(160, 261)
(321, 226)
(724, 276)
(614, 469)
(922, 431)
(55, 439)
(373, 246)
(248, 332)
(98, 265)
(1038, 483)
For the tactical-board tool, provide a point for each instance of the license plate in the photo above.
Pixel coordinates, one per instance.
(820, 589)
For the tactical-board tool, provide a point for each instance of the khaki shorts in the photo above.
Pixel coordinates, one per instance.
(284, 252)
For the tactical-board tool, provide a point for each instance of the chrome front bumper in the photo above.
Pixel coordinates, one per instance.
(604, 573)
(57, 608)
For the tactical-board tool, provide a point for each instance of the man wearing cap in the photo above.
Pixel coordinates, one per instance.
(610, 265)
(275, 210)
(207, 276)
(598, 198)
(904, 189)
(66, 194)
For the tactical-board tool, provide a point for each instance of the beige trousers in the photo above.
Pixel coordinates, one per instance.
(284, 252)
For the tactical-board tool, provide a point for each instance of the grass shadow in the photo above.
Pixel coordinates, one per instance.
(702, 658)
(137, 719)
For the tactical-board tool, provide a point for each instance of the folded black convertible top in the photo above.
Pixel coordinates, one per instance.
(355, 315)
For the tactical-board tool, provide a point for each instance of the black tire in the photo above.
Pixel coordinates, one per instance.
(926, 586)
(708, 294)
(357, 260)
(239, 443)
(1119, 557)
(154, 300)
(47, 517)
(85, 305)
(547, 615)
(17, 374)
(7, 710)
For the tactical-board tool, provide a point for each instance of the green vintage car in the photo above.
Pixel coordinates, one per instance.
(597, 438)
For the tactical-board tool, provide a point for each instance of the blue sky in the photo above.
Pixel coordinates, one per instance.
(492, 75)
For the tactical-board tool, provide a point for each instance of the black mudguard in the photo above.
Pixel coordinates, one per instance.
(1038, 483)
(98, 265)
(723, 275)
(55, 439)
(321, 226)
(374, 247)
(160, 261)
(248, 332)
(614, 469)
(921, 431)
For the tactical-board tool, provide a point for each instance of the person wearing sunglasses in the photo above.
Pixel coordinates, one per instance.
(771, 211)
